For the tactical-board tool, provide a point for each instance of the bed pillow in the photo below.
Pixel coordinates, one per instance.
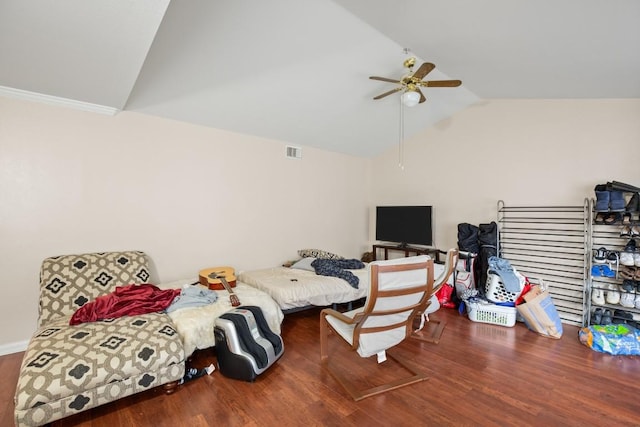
(305, 264)
(317, 253)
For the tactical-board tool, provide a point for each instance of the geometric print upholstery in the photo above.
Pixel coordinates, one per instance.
(69, 369)
(67, 282)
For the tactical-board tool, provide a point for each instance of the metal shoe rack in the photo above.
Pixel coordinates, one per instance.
(607, 236)
(551, 243)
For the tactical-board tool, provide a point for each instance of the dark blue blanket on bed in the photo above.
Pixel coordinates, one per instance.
(337, 268)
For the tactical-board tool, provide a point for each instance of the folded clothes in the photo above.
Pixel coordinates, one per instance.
(193, 296)
(503, 268)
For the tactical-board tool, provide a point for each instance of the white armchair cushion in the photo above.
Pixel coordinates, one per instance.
(373, 343)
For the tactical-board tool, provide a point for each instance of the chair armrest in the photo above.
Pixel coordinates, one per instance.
(346, 319)
(449, 266)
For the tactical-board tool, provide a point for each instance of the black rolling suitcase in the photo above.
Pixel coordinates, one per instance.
(245, 344)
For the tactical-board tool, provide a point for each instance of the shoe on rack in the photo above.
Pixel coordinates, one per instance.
(634, 231)
(606, 271)
(607, 317)
(631, 246)
(597, 296)
(621, 316)
(612, 294)
(628, 285)
(616, 201)
(628, 300)
(602, 201)
(600, 255)
(626, 258)
(613, 218)
(613, 257)
(627, 272)
(634, 203)
(596, 272)
(596, 316)
(636, 258)
(600, 217)
(637, 301)
(625, 231)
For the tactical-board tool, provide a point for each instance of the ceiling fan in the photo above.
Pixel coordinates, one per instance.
(412, 82)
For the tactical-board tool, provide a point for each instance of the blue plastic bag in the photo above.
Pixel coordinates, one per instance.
(616, 339)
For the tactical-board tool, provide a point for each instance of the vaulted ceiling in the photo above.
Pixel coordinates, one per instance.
(297, 70)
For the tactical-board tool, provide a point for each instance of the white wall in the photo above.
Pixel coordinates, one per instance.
(193, 197)
(525, 152)
(189, 196)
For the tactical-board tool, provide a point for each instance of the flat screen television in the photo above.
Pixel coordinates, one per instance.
(404, 225)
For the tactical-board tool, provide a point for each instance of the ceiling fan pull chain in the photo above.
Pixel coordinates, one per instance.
(401, 137)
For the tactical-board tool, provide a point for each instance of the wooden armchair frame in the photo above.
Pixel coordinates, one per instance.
(358, 319)
(430, 330)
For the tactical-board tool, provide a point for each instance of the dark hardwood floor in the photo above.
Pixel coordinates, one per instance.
(479, 374)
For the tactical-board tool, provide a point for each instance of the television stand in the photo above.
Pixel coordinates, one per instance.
(433, 252)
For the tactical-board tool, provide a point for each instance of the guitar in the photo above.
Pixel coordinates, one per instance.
(210, 279)
(216, 278)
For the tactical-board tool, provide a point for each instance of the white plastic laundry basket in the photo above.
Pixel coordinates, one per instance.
(496, 292)
(491, 313)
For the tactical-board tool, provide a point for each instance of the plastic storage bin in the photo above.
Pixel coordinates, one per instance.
(490, 313)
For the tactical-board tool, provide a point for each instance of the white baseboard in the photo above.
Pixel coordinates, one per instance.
(15, 347)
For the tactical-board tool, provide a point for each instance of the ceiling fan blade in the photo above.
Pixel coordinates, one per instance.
(388, 93)
(384, 79)
(441, 83)
(422, 97)
(424, 69)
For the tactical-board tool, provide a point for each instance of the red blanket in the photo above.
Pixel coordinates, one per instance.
(125, 301)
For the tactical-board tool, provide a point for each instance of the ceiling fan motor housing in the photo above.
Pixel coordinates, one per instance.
(410, 83)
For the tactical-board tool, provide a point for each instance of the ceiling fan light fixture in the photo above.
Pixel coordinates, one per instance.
(410, 98)
(410, 83)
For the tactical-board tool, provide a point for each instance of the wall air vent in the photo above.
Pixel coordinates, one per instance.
(294, 152)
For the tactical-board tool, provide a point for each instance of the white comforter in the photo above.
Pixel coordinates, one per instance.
(294, 288)
(195, 324)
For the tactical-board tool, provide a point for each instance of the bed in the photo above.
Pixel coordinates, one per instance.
(294, 288)
(195, 324)
(298, 287)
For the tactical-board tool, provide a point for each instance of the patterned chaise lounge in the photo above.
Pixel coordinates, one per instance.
(69, 369)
